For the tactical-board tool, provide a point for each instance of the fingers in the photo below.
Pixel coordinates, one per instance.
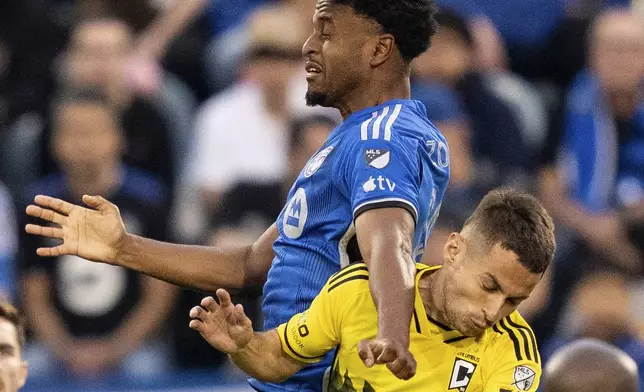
(224, 298)
(389, 353)
(365, 351)
(198, 313)
(403, 367)
(52, 252)
(44, 214)
(197, 325)
(397, 359)
(51, 232)
(209, 304)
(241, 317)
(99, 203)
(52, 203)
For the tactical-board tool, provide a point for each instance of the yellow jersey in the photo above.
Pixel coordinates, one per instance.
(504, 359)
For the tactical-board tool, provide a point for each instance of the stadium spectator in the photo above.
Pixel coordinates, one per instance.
(496, 140)
(252, 115)
(93, 317)
(596, 185)
(538, 40)
(13, 369)
(97, 57)
(228, 50)
(592, 366)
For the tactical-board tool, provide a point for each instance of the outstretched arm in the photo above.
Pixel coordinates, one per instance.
(98, 233)
(226, 328)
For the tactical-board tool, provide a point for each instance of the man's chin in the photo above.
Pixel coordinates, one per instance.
(314, 98)
(469, 330)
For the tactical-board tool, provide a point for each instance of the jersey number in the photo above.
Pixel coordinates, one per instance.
(441, 150)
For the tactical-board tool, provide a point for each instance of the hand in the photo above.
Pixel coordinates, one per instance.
(94, 234)
(385, 351)
(224, 326)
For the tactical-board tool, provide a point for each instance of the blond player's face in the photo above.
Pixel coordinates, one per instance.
(13, 370)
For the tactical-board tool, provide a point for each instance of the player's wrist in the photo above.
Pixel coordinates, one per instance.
(244, 347)
(124, 251)
(394, 337)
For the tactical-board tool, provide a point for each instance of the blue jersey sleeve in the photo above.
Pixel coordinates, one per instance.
(381, 169)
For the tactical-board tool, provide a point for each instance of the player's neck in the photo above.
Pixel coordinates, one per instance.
(374, 93)
(430, 287)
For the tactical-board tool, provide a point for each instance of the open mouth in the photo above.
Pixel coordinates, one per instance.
(312, 69)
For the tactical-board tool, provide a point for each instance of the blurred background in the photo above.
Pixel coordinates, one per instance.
(189, 115)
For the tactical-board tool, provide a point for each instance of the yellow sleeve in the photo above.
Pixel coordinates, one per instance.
(308, 336)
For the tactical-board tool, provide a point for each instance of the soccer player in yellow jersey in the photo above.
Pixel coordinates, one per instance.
(466, 334)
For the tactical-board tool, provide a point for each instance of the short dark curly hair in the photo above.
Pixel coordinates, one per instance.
(411, 22)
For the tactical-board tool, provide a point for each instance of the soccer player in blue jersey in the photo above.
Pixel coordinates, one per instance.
(371, 193)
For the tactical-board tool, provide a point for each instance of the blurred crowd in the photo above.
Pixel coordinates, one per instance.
(190, 116)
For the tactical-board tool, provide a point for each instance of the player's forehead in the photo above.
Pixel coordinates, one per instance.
(504, 268)
(331, 12)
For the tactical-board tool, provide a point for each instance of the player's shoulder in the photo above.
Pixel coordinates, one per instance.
(514, 339)
(400, 121)
(353, 279)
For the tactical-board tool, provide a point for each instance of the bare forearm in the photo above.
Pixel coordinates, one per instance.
(264, 359)
(392, 287)
(385, 239)
(199, 267)
(196, 267)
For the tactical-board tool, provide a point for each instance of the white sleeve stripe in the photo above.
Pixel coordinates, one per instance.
(364, 130)
(391, 121)
(376, 125)
(387, 199)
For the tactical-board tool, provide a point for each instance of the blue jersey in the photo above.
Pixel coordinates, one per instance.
(384, 156)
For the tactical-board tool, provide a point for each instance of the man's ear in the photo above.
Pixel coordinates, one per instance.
(383, 48)
(453, 247)
(22, 376)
